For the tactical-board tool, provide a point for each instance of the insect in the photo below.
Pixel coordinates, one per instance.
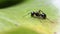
(38, 14)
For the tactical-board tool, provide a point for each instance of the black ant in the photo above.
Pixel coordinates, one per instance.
(39, 14)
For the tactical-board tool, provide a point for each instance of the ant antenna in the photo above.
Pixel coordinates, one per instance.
(26, 14)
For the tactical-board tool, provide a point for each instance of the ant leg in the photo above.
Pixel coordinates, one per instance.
(50, 20)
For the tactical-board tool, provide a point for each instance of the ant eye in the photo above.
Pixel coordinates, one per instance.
(8, 3)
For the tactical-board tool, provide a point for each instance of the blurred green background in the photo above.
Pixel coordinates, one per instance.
(15, 19)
